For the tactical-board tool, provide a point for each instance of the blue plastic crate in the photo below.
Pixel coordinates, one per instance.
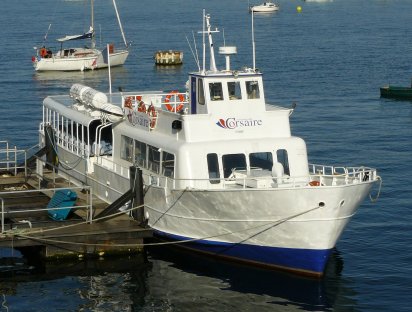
(61, 199)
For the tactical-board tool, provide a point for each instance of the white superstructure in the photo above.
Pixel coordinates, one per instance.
(221, 169)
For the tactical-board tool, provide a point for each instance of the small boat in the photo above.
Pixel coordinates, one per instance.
(265, 7)
(168, 57)
(395, 92)
(221, 171)
(80, 58)
(318, 0)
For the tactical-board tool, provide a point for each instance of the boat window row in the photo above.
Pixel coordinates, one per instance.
(252, 164)
(147, 156)
(233, 88)
(91, 140)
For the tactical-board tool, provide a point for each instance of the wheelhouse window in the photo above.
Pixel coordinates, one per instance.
(168, 164)
(282, 156)
(153, 159)
(200, 92)
(234, 90)
(262, 160)
(126, 148)
(252, 89)
(233, 162)
(140, 153)
(215, 89)
(213, 167)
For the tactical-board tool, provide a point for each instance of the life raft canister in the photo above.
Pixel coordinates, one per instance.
(178, 106)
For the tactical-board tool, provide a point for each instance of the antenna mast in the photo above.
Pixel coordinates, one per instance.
(212, 51)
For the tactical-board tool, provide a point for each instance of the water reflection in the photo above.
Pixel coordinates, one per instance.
(169, 280)
(94, 78)
(219, 284)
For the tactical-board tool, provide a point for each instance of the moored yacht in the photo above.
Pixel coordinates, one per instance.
(222, 173)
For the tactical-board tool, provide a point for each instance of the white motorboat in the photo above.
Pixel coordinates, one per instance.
(265, 7)
(222, 173)
(80, 58)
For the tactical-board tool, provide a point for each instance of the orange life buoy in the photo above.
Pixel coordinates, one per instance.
(178, 106)
(314, 183)
(128, 102)
(151, 111)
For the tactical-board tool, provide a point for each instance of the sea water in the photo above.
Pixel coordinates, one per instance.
(330, 59)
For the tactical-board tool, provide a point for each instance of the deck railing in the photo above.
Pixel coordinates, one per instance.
(11, 157)
(88, 207)
(324, 175)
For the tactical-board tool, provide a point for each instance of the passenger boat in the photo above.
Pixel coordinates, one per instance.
(80, 58)
(222, 173)
(396, 92)
(265, 7)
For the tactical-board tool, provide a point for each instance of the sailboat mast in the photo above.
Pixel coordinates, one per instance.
(92, 23)
(120, 23)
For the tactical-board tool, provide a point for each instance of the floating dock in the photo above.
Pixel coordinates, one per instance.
(168, 57)
(33, 216)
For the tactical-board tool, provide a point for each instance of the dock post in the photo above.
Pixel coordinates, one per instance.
(136, 185)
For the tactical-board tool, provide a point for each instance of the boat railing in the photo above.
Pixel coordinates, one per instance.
(12, 159)
(319, 175)
(173, 101)
(333, 175)
(49, 192)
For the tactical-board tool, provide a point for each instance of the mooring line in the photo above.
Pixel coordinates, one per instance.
(272, 224)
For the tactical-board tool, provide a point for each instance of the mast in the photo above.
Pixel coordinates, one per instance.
(212, 51)
(92, 23)
(253, 43)
(120, 23)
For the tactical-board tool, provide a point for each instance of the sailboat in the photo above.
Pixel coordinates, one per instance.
(81, 58)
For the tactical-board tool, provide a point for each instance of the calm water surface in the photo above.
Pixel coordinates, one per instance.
(330, 59)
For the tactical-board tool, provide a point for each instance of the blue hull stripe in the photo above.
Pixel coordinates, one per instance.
(311, 261)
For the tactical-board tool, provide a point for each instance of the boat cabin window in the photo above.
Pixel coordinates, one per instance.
(282, 157)
(168, 164)
(200, 92)
(213, 167)
(140, 153)
(252, 89)
(215, 89)
(153, 159)
(234, 90)
(126, 148)
(262, 160)
(233, 162)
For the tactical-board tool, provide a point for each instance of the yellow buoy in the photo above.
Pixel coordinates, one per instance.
(299, 8)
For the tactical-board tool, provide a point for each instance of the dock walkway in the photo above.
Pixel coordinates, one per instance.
(25, 222)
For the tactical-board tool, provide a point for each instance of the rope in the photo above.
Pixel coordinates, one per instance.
(28, 231)
(53, 143)
(374, 200)
(3, 304)
(271, 225)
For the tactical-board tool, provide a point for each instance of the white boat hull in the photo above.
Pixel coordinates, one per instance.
(92, 62)
(65, 63)
(282, 228)
(293, 229)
